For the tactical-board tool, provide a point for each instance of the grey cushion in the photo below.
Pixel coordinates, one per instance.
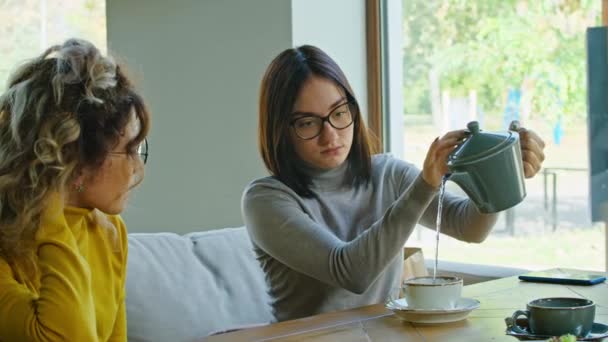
(182, 288)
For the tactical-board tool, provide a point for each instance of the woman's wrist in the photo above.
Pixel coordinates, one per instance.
(431, 181)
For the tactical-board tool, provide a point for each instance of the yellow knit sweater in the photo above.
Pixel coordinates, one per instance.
(79, 292)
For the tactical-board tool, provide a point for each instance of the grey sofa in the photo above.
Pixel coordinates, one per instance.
(183, 288)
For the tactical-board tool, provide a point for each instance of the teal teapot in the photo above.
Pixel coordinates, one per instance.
(489, 168)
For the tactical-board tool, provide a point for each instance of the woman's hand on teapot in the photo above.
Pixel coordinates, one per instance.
(532, 147)
(435, 163)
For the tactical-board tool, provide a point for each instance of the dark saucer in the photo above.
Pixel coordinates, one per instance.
(598, 331)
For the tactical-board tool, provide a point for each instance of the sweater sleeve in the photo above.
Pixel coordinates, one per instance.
(279, 226)
(119, 333)
(460, 218)
(64, 308)
(120, 326)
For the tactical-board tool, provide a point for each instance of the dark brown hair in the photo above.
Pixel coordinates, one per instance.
(280, 86)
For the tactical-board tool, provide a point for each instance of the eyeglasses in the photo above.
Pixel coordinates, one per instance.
(142, 151)
(310, 126)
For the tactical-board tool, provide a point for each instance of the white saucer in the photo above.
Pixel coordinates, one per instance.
(463, 307)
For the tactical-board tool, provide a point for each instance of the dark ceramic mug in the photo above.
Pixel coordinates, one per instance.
(558, 316)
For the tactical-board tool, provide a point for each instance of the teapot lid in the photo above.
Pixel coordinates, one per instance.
(480, 144)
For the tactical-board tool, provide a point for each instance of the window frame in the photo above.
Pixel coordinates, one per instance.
(377, 89)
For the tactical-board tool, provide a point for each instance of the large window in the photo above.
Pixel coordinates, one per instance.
(495, 61)
(28, 27)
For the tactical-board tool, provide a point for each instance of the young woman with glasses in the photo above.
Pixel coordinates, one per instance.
(330, 223)
(72, 146)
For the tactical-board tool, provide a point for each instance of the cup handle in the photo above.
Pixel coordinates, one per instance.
(516, 327)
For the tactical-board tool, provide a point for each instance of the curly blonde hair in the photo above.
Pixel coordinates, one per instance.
(63, 110)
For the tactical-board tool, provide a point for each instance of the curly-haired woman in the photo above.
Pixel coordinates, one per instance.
(72, 146)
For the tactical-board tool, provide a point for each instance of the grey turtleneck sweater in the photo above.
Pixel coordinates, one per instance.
(344, 248)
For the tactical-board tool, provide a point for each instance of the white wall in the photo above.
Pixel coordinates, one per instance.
(199, 65)
(338, 28)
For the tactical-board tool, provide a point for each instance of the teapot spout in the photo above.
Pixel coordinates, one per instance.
(464, 180)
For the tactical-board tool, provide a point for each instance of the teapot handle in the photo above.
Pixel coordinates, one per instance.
(514, 126)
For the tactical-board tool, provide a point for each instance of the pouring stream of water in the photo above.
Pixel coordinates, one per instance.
(438, 228)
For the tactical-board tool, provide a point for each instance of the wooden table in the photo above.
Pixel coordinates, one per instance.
(499, 299)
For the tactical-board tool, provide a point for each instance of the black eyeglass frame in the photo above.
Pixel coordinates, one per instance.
(144, 155)
(144, 145)
(324, 119)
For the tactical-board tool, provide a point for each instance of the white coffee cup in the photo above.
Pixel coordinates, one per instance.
(430, 293)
